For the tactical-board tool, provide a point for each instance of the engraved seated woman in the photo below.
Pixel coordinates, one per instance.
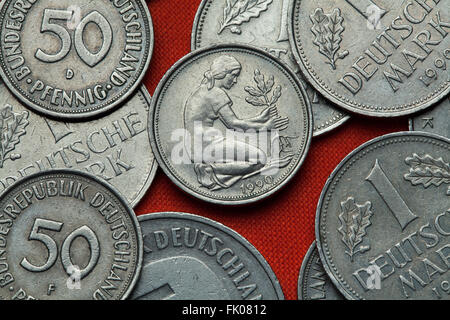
(229, 160)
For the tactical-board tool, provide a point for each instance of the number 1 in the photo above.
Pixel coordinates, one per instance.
(390, 195)
(59, 130)
(284, 23)
(362, 6)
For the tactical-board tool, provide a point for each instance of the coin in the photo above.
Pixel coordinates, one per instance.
(313, 281)
(262, 24)
(383, 219)
(383, 60)
(115, 147)
(434, 121)
(188, 257)
(74, 59)
(230, 124)
(67, 235)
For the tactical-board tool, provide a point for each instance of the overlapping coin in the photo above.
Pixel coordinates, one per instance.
(263, 24)
(74, 59)
(383, 219)
(313, 281)
(379, 59)
(434, 121)
(188, 257)
(67, 235)
(114, 147)
(229, 124)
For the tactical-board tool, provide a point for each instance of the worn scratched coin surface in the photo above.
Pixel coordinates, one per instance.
(313, 281)
(437, 120)
(67, 235)
(188, 257)
(262, 24)
(115, 147)
(375, 58)
(383, 219)
(230, 124)
(74, 59)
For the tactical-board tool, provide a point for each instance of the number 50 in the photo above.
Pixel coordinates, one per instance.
(91, 59)
(52, 247)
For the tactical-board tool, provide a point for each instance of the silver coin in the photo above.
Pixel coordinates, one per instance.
(383, 219)
(67, 235)
(313, 281)
(262, 24)
(114, 148)
(380, 59)
(230, 124)
(434, 121)
(188, 257)
(74, 59)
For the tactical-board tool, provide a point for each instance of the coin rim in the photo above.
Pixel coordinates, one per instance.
(316, 133)
(411, 120)
(337, 124)
(154, 167)
(292, 39)
(230, 232)
(335, 172)
(114, 192)
(186, 59)
(88, 115)
(301, 283)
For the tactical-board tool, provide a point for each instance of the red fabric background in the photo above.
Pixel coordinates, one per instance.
(281, 227)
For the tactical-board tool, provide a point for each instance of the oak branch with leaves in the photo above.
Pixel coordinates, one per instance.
(354, 220)
(427, 171)
(12, 127)
(236, 12)
(260, 96)
(265, 95)
(328, 30)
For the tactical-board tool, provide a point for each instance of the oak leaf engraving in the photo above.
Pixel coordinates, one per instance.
(236, 12)
(355, 219)
(328, 29)
(12, 127)
(427, 171)
(260, 96)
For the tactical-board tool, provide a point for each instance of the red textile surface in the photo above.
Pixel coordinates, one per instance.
(281, 227)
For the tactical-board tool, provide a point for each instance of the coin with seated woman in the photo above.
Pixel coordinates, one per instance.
(230, 124)
(262, 24)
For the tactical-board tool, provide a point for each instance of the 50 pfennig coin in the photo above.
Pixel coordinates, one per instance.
(67, 235)
(230, 124)
(74, 59)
